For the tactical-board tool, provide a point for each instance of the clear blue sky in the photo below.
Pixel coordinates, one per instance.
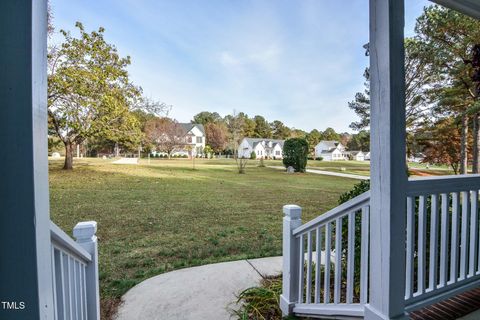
(298, 61)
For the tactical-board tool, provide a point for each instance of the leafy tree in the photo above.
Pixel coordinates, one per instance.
(447, 39)
(262, 128)
(360, 141)
(217, 136)
(205, 117)
(279, 130)
(417, 75)
(443, 143)
(297, 133)
(361, 106)
(248, 125)
(165, 134)
(295, 153)
(89, 92)
(313, 138)
(330, 134)
(235, 123)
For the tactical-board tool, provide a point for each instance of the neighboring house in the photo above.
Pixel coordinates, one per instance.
(367, 156)
(194, 140)
(330, 150)
(263, 148)
(418, 158)
(355, 155)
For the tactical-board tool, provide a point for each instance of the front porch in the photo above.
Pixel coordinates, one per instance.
(405, 245)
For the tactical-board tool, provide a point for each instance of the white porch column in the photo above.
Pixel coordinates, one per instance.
(388, 167)
(25, 263)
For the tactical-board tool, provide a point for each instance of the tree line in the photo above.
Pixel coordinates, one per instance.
(92, 102)
(442, 70)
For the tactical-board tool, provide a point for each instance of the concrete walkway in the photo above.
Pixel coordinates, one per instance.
(204, 292)
(329, 173)
(126, 161)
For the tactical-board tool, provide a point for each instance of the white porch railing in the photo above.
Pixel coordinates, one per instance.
(75, 272)
(442, 238)
(326, 261)
(325, 258)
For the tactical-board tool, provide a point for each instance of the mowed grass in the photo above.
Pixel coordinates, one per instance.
(157, 217)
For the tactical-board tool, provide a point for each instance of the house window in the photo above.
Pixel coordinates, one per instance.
(189, 139)
(199, 140)
(277, 153)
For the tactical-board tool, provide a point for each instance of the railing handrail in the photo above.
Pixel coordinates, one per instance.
(59, 237)
(437, 185)
(343, 209)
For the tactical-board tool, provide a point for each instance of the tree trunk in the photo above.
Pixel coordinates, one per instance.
(476, 143)
(464, 145)
(68, 156)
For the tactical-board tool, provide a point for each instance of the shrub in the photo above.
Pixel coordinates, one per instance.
(253, 155)
(261, 302)
(319, 158)
(295, 153)
(357, 190)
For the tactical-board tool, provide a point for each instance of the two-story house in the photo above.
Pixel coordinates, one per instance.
(330, 150)
(195, 140)
(263, 148)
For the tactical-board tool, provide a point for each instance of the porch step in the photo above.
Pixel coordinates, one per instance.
(450, 309)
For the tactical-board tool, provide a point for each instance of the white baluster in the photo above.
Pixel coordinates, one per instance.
(328, 252)
(410, 247)
(364, 259)
(464, 238)
(422, 230)
(432, 282)
(351, 257)
(444, 241)
(454, 243)
(338, 260)
(473, 234)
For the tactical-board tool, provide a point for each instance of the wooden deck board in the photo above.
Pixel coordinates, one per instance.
(450, 309)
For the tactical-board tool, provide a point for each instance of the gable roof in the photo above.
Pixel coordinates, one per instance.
(330, 144)
(354, 153)
(189, 126)
(254, 141)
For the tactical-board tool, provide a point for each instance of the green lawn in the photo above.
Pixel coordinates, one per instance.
(161, 216)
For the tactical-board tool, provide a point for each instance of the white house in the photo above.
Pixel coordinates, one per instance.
(330, 150)
(355, 155)
(367, 156)
(417, 157)
(195, 139)
(263, 148)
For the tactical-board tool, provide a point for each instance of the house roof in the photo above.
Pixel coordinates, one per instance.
(189, 126)
(354, 153)
(329, 143)
(468, 7)
(331, 150)
(254, 141)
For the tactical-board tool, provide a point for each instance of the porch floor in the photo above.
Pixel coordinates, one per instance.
(462, 306)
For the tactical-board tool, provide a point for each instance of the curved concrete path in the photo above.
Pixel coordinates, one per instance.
(126, 161)
(204, 292)
(329, 173)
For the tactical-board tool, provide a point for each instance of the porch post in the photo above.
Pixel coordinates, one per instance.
(388, 163)
(25, 265)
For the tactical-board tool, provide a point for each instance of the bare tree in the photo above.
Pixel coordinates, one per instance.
(165, 134)
(235, 127)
